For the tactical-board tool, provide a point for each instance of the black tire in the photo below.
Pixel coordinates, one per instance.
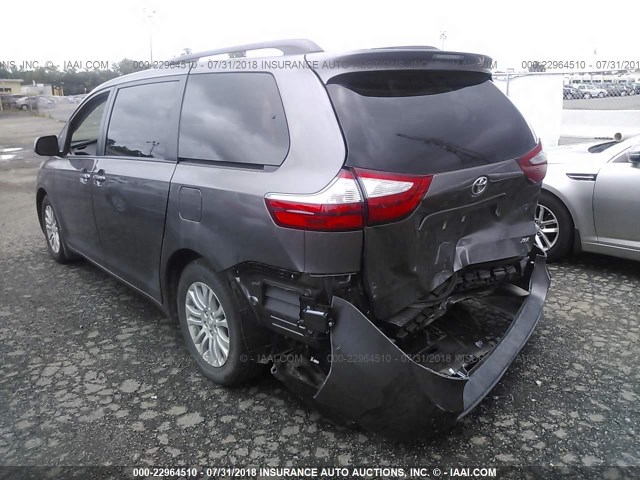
(24, 107)
(601, 95)
(238, 366)
(564, 242)
(587, 95)
(62, 255)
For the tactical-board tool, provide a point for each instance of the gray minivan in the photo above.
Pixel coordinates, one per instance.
(363, 223)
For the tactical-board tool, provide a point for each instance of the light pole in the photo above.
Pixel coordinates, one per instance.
(150, 14)
(443, 37)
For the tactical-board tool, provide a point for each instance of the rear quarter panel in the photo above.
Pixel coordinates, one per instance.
(235, 225)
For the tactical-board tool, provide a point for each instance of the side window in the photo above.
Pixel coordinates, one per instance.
(233, 117)
(140, 120)
(86, 127)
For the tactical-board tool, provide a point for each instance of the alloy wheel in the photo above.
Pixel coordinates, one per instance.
(51, 227)
(207, 324)
(548, 228)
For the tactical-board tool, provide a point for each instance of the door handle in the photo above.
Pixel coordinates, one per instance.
(84, 178)
(99, 178)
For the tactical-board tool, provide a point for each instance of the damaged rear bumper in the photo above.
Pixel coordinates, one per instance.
(375, 384)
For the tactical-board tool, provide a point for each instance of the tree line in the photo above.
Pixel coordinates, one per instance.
(70, 80)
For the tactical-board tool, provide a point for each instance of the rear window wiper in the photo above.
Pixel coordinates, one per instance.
(462, 153)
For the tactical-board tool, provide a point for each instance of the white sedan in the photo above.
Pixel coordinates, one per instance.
(590, 200)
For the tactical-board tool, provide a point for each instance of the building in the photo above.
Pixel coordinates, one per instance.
(36, 89)
(10, 86)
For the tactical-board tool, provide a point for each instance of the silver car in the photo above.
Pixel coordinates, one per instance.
(591, 91)
(590, 200)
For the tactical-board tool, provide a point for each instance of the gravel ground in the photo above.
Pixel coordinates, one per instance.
(93, 374)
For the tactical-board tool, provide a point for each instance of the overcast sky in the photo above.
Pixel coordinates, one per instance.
(510, 32)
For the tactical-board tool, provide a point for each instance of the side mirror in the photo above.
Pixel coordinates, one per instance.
(47, 146)
(633, 155)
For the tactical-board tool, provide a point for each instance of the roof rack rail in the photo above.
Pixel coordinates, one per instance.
(295, 46)
(408, 47)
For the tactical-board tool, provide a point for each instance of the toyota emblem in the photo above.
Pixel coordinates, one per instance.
(479, 186)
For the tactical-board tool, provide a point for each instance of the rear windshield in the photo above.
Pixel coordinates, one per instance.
(426, 122)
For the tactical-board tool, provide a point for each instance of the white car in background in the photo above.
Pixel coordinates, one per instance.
(590, 200)
(591, 91)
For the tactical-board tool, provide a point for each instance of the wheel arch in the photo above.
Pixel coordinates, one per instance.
(259, 339)
(40, 194)
(171, 272)
(576, 244)
(558, 196)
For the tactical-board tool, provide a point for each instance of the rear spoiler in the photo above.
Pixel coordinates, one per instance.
(329, 65)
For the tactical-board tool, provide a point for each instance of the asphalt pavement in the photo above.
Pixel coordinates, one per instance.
(91, 373)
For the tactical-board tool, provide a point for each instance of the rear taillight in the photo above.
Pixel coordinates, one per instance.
(534, 164)
(338, 207)
(391, 197)
(341, 206)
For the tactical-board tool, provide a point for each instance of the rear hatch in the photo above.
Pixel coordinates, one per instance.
(435, 119)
